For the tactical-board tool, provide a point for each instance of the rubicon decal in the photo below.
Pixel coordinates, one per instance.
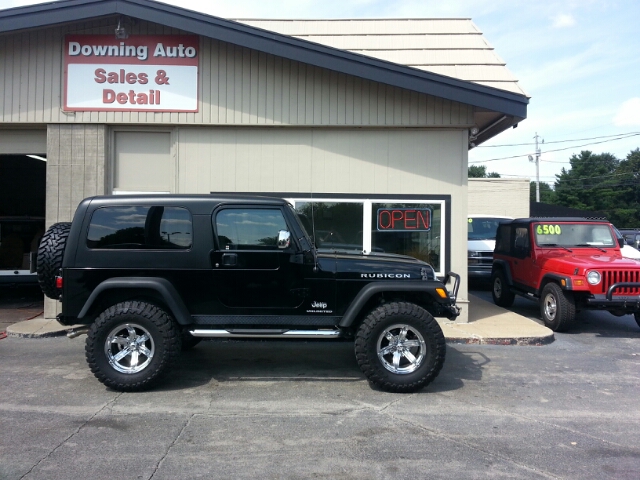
(385, 275)
(140, 73)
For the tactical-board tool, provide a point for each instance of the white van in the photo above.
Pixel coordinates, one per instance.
(481, 240)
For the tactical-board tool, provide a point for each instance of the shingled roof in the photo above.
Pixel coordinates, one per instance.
(454, 47)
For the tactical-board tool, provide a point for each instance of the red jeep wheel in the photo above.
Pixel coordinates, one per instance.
(557, 308)
(502, 296)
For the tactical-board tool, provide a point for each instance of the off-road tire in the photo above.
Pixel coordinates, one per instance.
(49, 259)
(637, 317)
(419, 323)
(557, 308)
(502, 296)
(188, 340)
(164, 335)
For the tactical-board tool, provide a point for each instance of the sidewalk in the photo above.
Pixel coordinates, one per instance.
(488, 325)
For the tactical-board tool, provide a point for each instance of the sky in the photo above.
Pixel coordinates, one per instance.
(579, 61)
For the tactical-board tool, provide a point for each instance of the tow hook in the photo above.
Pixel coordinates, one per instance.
(76, 332)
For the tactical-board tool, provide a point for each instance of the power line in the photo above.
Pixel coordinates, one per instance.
(556, 150)
(559, 141)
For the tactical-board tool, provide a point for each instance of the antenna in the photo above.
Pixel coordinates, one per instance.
(313, 220)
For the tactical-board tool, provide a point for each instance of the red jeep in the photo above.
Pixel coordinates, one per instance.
(566, 265)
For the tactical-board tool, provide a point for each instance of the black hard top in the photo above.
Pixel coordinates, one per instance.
(554, 220)
(197, 203)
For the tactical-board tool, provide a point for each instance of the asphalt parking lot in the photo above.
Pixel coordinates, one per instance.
(304, 410)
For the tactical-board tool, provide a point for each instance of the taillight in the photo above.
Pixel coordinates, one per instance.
(59, 283)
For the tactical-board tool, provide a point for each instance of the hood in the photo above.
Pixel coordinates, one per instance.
(566, 262)
(376, 266)
(481, 245)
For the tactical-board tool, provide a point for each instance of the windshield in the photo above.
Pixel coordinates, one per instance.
(483, 228)
(573, 235)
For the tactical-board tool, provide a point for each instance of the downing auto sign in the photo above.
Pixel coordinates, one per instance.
(140, 73)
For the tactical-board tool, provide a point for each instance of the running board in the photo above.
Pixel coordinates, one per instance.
(264, 333)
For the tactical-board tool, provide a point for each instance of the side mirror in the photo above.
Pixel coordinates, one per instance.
(284, 239)
(621, 242)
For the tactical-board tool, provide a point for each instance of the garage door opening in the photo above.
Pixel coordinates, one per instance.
(22, 216)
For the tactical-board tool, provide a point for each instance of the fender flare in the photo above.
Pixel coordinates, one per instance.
(160, 285)
(504, 266)
(555, 278)
(371, 289)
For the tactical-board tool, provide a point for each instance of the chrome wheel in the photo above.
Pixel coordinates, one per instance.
(129, 348)
(497, 287)
(550, 306)
(401, 349)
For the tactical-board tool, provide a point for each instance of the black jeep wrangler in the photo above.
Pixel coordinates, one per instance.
(150, 275)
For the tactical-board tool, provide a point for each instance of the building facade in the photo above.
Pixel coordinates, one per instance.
(136, 96)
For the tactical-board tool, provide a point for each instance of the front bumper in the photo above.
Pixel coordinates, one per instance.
(453, 311)
(629, 303)
(480, 272)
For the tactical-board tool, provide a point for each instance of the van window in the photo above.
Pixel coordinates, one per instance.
(483, 228)
(140, 228)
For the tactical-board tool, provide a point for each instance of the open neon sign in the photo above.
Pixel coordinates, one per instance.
(404, 219)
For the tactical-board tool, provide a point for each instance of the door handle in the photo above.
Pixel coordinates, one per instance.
(229, 259)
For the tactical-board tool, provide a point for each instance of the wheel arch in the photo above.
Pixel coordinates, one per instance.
(504, 266)
(372, 294)
(554, 278)
(157, 290)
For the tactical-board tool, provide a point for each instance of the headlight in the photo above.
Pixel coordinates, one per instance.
(473, 254)
(594, 277)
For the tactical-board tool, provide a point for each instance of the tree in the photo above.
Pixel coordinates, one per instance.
(588, 184)
(547, 195)
(480, 171)
(625, 211)
(602, 182)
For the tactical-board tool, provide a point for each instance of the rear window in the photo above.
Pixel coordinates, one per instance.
(140, 228)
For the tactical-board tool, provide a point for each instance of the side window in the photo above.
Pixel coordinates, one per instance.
(249, 228)
(502, 239)
(521, 242)
(140, 228)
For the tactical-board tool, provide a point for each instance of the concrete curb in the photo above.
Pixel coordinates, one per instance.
(530, 341)
(37, 328)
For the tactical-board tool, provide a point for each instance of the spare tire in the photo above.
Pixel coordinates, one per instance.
(49, 260)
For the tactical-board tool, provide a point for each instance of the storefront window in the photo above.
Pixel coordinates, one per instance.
(411, 227)
(408, 229)
(335, 225)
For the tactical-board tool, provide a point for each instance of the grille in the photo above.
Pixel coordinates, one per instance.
(485, 259)
(609, 277)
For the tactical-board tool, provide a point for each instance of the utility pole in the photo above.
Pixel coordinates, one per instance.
(537, 166)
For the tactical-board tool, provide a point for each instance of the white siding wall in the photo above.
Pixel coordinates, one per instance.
(408, 161)
(499, 196)
(15, 142)
(238, 86)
